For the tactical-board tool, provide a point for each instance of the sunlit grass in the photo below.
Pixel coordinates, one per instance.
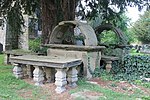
(10, 87)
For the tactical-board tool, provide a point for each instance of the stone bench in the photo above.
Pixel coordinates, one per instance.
(108, 60)
(17, 52)
(65, 67)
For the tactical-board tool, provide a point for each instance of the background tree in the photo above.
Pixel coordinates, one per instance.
(54, 11)
(141, 28)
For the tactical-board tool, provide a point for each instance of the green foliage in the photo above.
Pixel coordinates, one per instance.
(132, 38)
(12, 11)
(141, 28)
(135, 67)
(110, 11)
(108, 94)
(13, 89)
(34, 45)
(108, 37)
(142, 83)
(1, 59)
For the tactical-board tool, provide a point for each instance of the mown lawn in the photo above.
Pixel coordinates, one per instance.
(10, 88)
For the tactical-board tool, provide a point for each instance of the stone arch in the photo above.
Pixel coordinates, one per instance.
(86, 30)
(122, 38)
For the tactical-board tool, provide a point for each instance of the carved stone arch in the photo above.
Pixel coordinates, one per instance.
(122, 37)
(86, 30)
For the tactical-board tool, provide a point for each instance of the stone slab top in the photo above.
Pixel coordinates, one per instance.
(109, 58)
(19, 52)
(74, 47)
(48, 61)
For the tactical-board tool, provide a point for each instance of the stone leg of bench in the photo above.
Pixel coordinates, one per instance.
(17, 71)
(108, 65)
(38, 75)
(72, 77)
(60, 80)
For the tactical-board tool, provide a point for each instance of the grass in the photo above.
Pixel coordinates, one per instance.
(133, 52)
(12, 88)
(107, 93)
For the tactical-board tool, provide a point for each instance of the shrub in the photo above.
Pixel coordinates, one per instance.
(34, 45)
(134, 67)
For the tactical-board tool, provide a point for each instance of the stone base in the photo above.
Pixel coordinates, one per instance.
(38, 76)
(17, 71)
(72, 77)
(60, 80)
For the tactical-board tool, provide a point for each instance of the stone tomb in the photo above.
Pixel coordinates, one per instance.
(90, 55)
(64, 58)
(65, 67)
(89, 52)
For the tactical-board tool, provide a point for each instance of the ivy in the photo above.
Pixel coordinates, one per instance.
(134, 67)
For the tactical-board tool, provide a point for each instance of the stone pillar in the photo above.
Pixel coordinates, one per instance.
(23, 40)
(17, 71)
(72, 76)
(38, 75)
(91, 60)
(60, 80)
(108, 66)
(3, 32)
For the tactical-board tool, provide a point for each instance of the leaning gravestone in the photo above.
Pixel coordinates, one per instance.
(1, 48)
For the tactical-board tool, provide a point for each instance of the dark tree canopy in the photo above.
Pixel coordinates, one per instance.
(54, 11)
(107, 8)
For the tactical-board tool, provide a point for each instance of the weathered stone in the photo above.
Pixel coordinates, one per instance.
(17, 71)
(38, 75)
(72, 77)
(60, 80)
(61, 28)
(89, 58)
(3, 34)
(108, 65)
(108, 60)
(23, 39)
(59, 63)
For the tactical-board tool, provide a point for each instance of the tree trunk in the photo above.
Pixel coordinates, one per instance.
(54, 11)
(48, 18)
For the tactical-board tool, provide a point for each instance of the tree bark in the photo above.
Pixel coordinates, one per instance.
(54, 11)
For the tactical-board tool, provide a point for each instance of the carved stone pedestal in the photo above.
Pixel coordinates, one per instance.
(38, 75)
(60, 80)
(108, 66)
(17, 71)
(72, 77)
